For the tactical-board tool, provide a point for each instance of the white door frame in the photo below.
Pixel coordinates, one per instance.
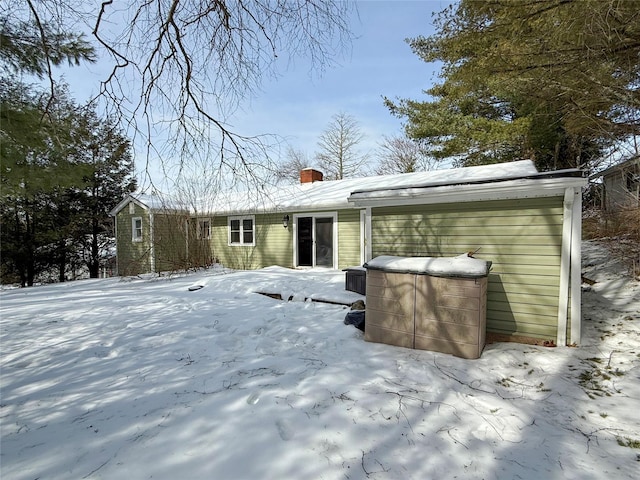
(314, 215)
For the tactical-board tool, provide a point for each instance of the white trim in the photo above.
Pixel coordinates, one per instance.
(368, 234)
(565, 271)
(576, 269)
(134, 229)
(363, 236)
(570, 269)
(241, 218)
(125, 202)
(511, 189)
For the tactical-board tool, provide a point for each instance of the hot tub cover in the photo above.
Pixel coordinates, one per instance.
(462, 266)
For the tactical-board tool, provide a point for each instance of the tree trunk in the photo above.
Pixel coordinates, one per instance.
(29, 240)
(62, 260)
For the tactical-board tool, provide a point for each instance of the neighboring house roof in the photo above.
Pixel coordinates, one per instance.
(617, 167)
(337, 194)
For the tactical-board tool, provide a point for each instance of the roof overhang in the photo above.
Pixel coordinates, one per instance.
(501, 190)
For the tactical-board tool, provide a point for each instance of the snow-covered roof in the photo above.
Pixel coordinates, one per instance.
(335, 194)
(617, 167)
(338, 194)
(154, 202)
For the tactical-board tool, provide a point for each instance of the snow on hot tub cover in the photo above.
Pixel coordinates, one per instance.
(460, 266)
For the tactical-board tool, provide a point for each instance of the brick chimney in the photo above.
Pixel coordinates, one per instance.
(309, 175)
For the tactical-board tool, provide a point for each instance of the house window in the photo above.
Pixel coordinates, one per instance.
(136, 229)
(132, 208)
(241, 230)
(204, 228)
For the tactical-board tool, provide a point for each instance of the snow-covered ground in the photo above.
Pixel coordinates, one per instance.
(142, 378)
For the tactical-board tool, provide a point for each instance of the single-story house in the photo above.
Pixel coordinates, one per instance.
(620, 185)
(527, 223)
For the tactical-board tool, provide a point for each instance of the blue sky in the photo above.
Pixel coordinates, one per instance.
(379, 63)
(298, 106)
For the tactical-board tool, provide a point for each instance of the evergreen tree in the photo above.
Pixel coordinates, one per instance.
(552, 80)
(36, 168)
(102, 146)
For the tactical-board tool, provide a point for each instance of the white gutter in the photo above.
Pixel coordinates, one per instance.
(570, 269)
(521, 188)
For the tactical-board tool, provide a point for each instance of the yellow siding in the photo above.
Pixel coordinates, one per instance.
(133, 257)
(170, 241)
(521, 237)
(348, 238)
(273, 244)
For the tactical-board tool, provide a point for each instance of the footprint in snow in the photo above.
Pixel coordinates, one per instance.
(285, 430)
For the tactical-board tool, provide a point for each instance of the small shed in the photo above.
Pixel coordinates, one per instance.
(620, 185)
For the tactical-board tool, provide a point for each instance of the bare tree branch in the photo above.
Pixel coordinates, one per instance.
(193, 63)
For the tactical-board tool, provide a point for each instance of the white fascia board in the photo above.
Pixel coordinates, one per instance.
(511, 189)
(128, 199)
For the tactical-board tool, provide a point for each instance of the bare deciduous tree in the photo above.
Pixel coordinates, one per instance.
(402, 155)
(339, 156)
(289, 169)
(181, 68)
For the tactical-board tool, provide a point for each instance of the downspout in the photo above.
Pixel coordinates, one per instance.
(576, 268)
(152, 249)
(570, 269)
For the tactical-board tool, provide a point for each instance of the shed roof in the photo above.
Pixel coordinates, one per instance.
(617, 167)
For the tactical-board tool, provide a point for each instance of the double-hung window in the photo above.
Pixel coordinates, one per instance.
(204, 228)
(242, 230)
(136, 229)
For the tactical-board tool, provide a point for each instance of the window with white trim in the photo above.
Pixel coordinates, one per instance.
(242, 230)
(204, 228)
(136, 229)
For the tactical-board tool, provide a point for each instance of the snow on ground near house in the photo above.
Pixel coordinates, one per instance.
(145, 379)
